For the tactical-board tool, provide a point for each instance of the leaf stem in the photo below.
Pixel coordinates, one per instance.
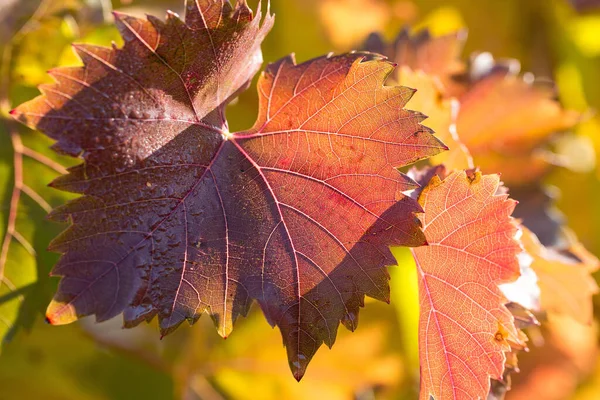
(15, 196)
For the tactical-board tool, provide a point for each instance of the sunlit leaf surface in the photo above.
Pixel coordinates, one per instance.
(464, 327)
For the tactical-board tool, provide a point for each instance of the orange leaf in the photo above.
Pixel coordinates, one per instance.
(554, 370)
(464, 326)
(565, 282)
(505, 119)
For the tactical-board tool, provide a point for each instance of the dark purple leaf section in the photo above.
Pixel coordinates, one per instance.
(178, 216)
(148, 121)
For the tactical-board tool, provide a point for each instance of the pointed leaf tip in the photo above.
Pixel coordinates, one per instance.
(299, 368)
(60, 313)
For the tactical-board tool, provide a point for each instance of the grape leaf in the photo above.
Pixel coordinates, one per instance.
(179, 216)
(465, 328)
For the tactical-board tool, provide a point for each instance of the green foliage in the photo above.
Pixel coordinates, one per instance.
(26, 163)
(66, 363)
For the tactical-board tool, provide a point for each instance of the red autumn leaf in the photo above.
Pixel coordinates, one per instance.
(179, 216)
(465, 328)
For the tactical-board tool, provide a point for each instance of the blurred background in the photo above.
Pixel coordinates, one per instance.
(557, 40)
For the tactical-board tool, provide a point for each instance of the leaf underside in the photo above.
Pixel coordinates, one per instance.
(465, 328)
(178, 216)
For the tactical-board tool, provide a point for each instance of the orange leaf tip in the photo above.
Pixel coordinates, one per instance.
(59, 313)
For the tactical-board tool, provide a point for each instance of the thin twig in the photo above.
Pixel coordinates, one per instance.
(17, 144)
(19, 238)
(36, 197)
(15, 197)
(42, 159)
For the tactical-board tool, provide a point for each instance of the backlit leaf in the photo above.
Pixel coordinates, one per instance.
(179, 216)
(564, 278)
(465, 328)
(505, 120)
(430, 66)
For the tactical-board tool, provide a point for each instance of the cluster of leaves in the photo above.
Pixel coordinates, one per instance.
(492, 117)
(178, 216)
